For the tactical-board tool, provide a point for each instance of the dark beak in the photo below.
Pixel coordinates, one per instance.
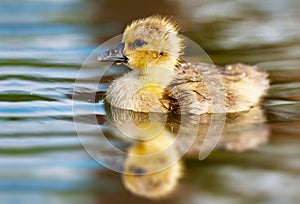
(115, 54)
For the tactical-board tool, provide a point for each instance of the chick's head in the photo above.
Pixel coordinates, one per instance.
(152, 42)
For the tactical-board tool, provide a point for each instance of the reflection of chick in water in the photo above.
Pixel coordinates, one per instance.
(148, 169)
(241, 132)
(151, 169)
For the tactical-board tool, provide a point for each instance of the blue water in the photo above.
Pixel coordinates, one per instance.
(42, 47)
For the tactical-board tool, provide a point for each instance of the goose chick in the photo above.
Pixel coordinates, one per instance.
(161, 82)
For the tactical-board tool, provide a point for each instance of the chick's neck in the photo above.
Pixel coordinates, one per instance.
(158, 76)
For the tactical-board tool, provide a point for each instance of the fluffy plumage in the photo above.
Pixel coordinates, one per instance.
(160, 82)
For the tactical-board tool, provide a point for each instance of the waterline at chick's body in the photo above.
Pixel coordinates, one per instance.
(161, 82)
(135, 92)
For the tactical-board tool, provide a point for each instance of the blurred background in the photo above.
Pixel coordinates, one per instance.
(42, 46)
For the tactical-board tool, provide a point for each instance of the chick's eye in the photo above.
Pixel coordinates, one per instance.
(139, 43)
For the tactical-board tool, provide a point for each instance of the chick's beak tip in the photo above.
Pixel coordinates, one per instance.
(100, 58)
(113, 54)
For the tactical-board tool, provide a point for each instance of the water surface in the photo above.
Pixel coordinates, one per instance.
(43, 45)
